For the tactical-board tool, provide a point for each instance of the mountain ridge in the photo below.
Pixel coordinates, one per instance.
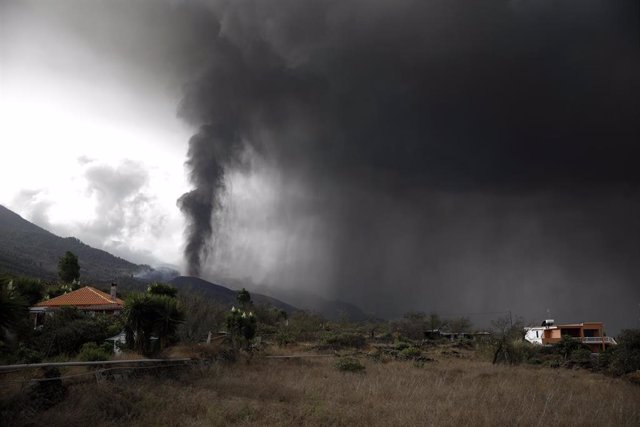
(28, 249)
(223, 294)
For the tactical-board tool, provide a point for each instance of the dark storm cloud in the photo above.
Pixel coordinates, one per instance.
(460, 155)
(455, 94)
(391, 97)
(449, 154)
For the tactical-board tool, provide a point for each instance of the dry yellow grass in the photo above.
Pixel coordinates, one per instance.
(449, 392)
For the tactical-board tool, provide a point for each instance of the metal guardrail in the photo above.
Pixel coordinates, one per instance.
(598, 340)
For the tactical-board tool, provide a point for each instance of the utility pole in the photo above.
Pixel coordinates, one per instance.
(510, 320)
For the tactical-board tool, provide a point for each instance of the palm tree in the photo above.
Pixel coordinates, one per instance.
(146, 315)
(139, 319)
(171, 315)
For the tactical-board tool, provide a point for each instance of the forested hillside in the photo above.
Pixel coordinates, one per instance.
(27, 249)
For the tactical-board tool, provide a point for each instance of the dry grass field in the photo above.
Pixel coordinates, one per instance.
(311, 391)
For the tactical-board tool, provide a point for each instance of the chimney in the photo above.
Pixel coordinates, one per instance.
(114, 288)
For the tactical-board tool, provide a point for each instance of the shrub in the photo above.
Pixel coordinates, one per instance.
(349, 364)
(336, 341)
(202, 316)
(242, 327)
(581, 357)
(567, 345)
(284, 337)
(90, 352)
(410, 353)
(514, 351)
(603, 361)
(523, 351)
(68, 329)
(386, 337)
(402, 345)
(27, 355)
(626, 356)
(306, 326)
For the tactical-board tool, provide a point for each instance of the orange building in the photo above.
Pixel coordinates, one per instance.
(87, 299)
(590, 334)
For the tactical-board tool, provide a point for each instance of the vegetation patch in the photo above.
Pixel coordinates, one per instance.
(343, 340)
(349, 364)
(91, 352)
(410, 353)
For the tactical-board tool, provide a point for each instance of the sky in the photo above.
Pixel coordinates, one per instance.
(452, 156)
(90, 148)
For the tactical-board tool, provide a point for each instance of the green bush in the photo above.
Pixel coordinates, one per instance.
(27, 355)
(514, 351)
(567, 345)
(402, 345)
(90, 352)
(603, 361)
(306, 326)
(581, 357)
(264, 329)
(68, 329)
(283, 338)
(337, 341)
(625, 357)
(523, 351)
(410, 353)
(349, 364)
(386, 337)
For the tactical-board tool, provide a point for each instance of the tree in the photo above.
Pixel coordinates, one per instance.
(146, 315)
(31, 290)
(69, 268)
(460, 324)
(242, 327)
(412, 325)
(244, 298)
(70, 328)
(162, 289)
(204, 315)
(241, 324)
(434, 321)
(626, 355)
(507, 340)
(139, 319)
(568, 345)
(171, 315)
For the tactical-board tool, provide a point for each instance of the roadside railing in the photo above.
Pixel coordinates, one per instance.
(598, 340)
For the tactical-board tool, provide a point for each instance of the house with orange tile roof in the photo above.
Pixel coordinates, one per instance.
(87, 299)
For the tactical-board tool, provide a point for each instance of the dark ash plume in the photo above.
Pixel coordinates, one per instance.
(395, 97)
(454, 154)
(457, 153)
(211, 151)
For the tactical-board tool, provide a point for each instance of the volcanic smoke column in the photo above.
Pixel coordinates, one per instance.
(211, 151)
